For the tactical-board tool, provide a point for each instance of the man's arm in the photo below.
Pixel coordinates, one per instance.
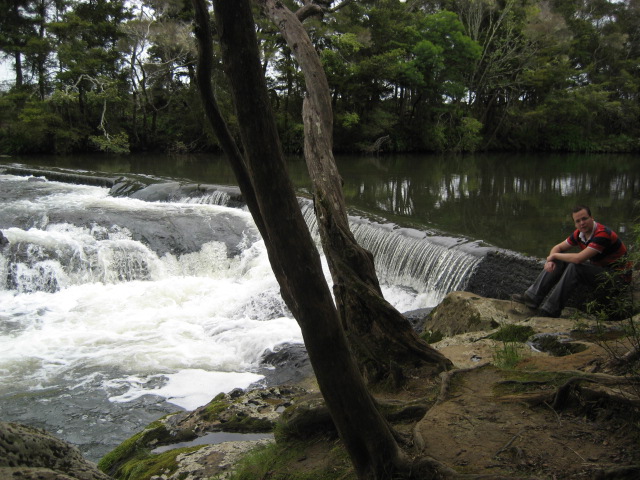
(558, 253)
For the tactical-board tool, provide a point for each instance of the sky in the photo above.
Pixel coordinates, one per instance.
(6, 73)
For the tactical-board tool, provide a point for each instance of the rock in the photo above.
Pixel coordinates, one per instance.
(237, 411)
(211, 461)
(286, 364)
(464, 326)
(28, 453)
(502, 273)
(174, 191)
(463, 312)
(418, 317)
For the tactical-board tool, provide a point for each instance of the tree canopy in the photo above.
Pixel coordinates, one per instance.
(404, 76)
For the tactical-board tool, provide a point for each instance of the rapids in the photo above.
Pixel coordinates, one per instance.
(115, 310)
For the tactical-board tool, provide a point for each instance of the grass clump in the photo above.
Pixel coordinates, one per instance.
(513, 333)
(508, 355)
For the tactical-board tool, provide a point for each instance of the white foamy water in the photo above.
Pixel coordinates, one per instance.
(82, 300)
(88, 311)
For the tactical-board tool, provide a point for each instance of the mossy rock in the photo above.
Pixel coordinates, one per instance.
(135, 448)
(151, 465)
(29, 453)
(254, 411)
(463, 312)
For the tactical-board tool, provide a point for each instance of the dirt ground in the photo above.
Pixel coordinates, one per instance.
(484, 427)
(504, 423)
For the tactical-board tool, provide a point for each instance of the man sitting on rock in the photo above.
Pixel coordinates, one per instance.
(601, 256)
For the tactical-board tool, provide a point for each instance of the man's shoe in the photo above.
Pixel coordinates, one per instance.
(522, 298)
(544, 313)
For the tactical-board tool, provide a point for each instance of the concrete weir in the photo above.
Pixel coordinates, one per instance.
(418, 259)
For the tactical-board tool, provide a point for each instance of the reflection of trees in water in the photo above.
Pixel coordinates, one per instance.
(523, 205)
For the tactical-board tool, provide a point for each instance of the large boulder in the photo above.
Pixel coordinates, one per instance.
(463, 312)
(28, 453)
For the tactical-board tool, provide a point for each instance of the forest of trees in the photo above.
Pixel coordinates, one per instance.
(405, 76)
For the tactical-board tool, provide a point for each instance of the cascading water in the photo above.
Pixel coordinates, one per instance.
(114, 311)
(101, 334)
(432, 267)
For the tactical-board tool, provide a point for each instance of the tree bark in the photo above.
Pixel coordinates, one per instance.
(381, 338)
(296, 263)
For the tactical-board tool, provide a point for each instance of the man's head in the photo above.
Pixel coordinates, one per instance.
(583, 219)
(577, 208)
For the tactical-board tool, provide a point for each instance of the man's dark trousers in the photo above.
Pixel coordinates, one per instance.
(558, 285)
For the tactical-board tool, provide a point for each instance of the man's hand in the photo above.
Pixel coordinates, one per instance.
(549, 265)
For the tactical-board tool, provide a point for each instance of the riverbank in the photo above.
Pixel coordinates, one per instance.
(562, 408)
(484, 417)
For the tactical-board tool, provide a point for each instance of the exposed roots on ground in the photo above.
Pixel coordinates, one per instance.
(625, 360)
(564, 393)
(447, 377)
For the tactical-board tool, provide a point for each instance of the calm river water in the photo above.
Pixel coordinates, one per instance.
(521, 202)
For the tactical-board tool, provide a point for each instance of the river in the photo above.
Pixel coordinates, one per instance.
(517, 201)
(115, 311)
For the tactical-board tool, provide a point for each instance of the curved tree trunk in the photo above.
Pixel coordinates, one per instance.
(296, 263)
(383, 340)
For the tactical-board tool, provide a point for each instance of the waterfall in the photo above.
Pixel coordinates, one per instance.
(214, 197)
(409, 258)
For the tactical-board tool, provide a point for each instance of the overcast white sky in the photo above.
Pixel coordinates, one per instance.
(6, 73)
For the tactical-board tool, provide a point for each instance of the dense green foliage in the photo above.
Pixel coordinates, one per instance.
(405, 76)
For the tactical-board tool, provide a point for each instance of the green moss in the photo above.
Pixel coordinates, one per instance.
(133, 448)
(125, 450)
(153, 465)
(513, 333)
(243, 423)
(523, 381)
(213, 409)
(432, 336)
(286, 461)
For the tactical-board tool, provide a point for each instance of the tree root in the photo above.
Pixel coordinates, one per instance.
(447, 377)
(631, 472)
(564, 392)
(627, 359)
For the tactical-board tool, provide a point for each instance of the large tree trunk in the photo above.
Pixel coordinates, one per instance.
(383, 340)
(296, 263)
